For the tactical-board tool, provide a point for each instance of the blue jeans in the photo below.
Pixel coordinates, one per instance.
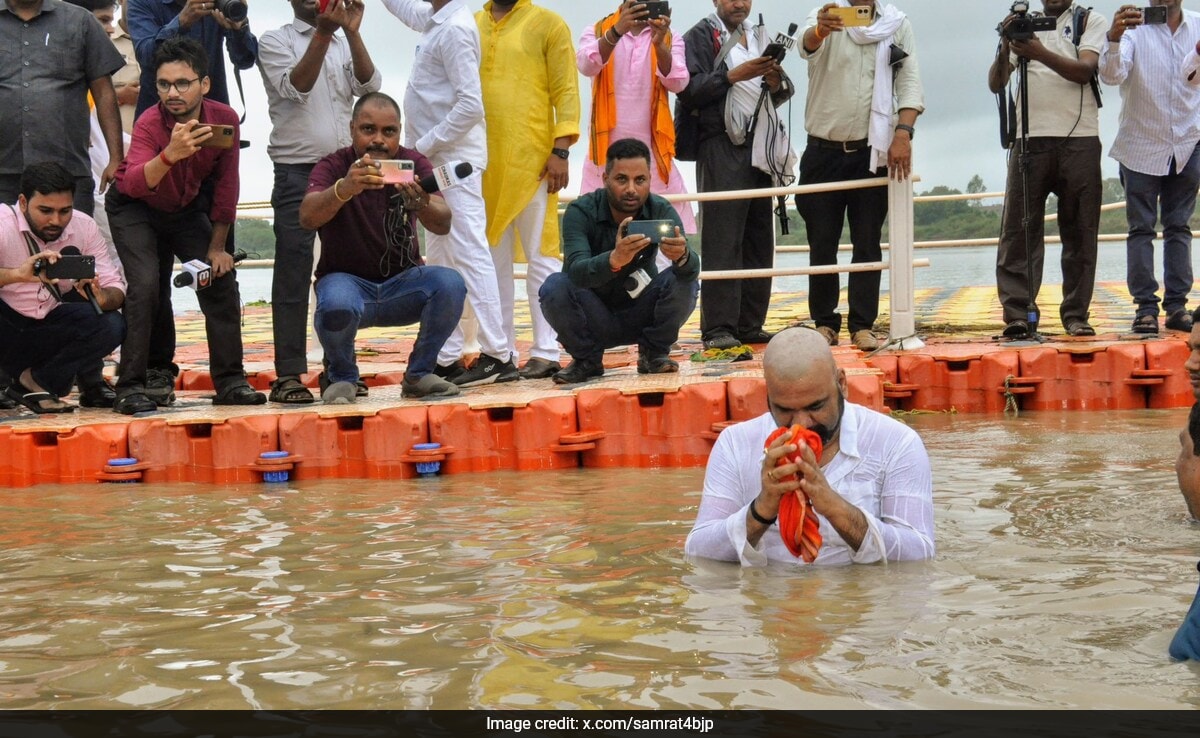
(586, 325)
(1175, 194)
(430, 295)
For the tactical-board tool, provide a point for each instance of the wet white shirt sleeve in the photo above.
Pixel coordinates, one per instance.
(881, 468)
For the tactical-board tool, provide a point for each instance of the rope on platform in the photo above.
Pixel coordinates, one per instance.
(893, 342)
(1010, 400)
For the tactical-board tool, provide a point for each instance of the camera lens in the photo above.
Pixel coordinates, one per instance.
(234, 10)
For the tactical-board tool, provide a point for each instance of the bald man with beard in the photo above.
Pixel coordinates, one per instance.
(872, 488)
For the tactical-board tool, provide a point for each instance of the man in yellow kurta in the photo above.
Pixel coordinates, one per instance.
(531, 104)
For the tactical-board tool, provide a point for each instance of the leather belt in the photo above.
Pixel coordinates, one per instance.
(843, 146)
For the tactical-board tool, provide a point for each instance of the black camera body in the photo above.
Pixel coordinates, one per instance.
(234, 10)
(1024, 26)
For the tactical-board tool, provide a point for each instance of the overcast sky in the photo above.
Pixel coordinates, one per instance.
(957, 136)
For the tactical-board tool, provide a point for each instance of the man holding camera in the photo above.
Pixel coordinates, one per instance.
(610, 291)
(1158, 148)
(1061, 155)
(156, 211)
(49, 326)
(370, 272)
(312, 74)
(728, 72)
(864, 96)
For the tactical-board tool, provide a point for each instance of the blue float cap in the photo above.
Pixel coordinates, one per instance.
(274, 455)
(122, 462)
(426, 446)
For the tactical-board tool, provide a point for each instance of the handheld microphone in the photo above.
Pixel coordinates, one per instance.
(87, 288)
(446, 176)
(198, 274)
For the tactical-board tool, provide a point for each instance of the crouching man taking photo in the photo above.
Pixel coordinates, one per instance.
(610, 292)
(52, 327)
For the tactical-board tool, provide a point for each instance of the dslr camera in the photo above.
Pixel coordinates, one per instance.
(234, 10)
(1023, 26)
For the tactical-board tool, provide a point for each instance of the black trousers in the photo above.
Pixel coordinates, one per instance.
(1069, 168)
(145, 238)
(824, 215)
(734, 234)
(58, 346)
(292, 277)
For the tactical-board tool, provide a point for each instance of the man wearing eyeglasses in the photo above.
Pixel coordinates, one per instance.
(370, 272)
(157, 208)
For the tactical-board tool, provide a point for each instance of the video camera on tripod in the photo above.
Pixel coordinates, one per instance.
(1023, 25)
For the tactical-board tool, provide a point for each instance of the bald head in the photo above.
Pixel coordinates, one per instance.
(798, 353)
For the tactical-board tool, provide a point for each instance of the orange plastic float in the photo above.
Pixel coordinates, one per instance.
(798, 524)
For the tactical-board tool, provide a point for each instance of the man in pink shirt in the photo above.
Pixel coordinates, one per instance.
(51, 328)
(634, 61)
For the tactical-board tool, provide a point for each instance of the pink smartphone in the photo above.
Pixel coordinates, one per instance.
(396, 171)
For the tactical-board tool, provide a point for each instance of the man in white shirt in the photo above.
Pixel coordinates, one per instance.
(1158, 148)
(312, 76)
(443, 106)
(1062, 157)
(872, 487)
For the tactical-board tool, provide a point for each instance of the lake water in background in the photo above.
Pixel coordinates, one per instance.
(1065, 563)
(949, 267)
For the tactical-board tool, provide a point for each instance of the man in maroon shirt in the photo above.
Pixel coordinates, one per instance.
(371, 272)
(154, 208)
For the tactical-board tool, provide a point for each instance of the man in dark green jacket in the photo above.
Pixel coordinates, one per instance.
(610, 291)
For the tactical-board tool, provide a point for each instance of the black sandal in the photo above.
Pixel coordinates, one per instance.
(33, 400)
(290, 391)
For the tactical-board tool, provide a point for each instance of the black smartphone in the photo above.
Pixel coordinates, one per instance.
(657, 9)
(1154, 15)
(72, 266)
(775, 51)
(655, 230)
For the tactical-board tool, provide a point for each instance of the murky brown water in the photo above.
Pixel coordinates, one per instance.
(1065, 563)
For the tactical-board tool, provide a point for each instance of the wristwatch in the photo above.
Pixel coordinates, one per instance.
(904, 127)
(561, 153)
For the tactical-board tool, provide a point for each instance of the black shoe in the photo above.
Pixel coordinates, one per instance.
(160, 386)
(1180, 320)
(721, 340)
(579, 370)
(97, 395)
(756, 336)
(537, 368)
(451, 371)
(1016, 329)
(486, 370)
(657, 365)
(134, 403)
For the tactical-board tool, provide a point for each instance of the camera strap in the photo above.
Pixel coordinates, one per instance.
(34, 251)
(1079, 19)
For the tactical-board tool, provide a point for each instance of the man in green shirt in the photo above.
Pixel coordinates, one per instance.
(610, 292)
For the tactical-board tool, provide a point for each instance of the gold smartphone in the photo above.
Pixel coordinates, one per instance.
(859, 15)
(222, 136)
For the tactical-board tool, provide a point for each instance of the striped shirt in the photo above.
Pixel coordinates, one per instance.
(1160, 112)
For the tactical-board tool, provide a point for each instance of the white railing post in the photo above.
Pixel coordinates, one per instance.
(900, 256)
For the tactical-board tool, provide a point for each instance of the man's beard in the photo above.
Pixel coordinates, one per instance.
(828, 434)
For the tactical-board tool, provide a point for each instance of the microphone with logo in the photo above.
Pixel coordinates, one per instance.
(87, 288)
(781, 45)
(198, 274)
(447, 176)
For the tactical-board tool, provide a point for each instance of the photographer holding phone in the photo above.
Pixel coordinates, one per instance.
(634, 60)
(48, 329)
(1158, 148)
(610, 291)
(157, 207)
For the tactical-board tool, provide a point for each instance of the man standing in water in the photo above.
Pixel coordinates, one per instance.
(872, 487)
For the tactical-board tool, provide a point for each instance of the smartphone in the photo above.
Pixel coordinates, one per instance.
(1154, 15)
(325, 5)
(859, 15)
(72, 266)
(396, 171)
(657, 9)
(656, 230)
(775, 51)
(223, 137)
